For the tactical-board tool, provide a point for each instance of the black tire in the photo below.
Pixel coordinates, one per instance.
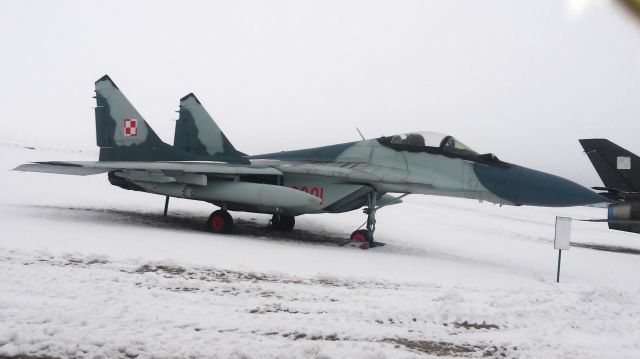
(283, 223)
(220, 221)
(361, 235)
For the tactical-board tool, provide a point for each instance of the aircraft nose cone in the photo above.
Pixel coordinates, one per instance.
(524, 186)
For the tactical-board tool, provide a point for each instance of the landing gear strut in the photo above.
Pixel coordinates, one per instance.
(281, 222)
(366, 235)
(220, 221)
(166, 205)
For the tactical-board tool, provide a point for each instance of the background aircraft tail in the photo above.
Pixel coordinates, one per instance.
(197, 132)
(617, 167)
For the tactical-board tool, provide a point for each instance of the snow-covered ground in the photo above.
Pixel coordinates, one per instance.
(91, 270)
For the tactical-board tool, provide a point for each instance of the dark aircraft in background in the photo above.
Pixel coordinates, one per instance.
(203, 165)
(618, 170)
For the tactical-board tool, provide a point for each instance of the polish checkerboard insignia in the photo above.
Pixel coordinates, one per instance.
(623, 163)
(131, 127)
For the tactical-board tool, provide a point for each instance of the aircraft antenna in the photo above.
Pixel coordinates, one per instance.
(360, 133)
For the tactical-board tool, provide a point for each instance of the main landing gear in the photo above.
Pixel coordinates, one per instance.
(220, 221)
(283, 223)
(366, 235)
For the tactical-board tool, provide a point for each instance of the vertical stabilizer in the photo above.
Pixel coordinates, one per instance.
(118, 123)
(197, 132)
(618, 168)
(122, 133)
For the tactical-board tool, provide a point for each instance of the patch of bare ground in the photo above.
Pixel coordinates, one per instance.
(278, 308)
(607, 248)
(446, 349)
(297, 335)
(483, 325)
(229, 276)
(174, 270)
(182, 220)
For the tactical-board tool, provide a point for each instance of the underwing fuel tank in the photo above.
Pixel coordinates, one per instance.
(258, 194)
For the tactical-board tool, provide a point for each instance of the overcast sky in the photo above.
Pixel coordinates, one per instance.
(522, 79)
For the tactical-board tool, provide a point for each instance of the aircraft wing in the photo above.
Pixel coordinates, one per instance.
(62, 168)
(174, 171)
(83, 168)
(277, 168)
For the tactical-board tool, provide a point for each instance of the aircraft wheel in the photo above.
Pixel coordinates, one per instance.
(283, 223)
(361, 235)
(220, 221)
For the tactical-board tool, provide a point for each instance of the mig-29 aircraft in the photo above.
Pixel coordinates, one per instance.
(204, 165)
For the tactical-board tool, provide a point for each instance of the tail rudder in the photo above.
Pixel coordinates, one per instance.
(197, 132)
(616, 166)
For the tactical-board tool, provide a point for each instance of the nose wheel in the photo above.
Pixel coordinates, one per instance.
(360, 235)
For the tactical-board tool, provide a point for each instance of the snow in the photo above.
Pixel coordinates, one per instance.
(91, 270)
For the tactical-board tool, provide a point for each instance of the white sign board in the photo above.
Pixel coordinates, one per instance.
(623, 163)
(563, 233)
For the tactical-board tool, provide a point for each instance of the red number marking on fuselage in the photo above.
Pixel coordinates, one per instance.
(314, 191)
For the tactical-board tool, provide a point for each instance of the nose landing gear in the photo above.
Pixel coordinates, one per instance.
(366, 235)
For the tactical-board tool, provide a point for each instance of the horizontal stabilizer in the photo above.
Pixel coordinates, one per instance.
(59, 169)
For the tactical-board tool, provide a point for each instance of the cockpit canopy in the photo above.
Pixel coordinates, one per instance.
(429, 142)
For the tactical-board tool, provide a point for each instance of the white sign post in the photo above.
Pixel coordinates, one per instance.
(562, 238)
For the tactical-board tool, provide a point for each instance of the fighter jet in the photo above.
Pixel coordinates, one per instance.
(204, 165)
(616, 168)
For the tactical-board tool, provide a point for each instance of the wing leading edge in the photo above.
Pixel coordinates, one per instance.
(84, 168)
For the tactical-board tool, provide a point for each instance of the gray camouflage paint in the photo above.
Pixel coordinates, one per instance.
(437, 174)
(197, 133)
(340, 175)
(112, 109)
